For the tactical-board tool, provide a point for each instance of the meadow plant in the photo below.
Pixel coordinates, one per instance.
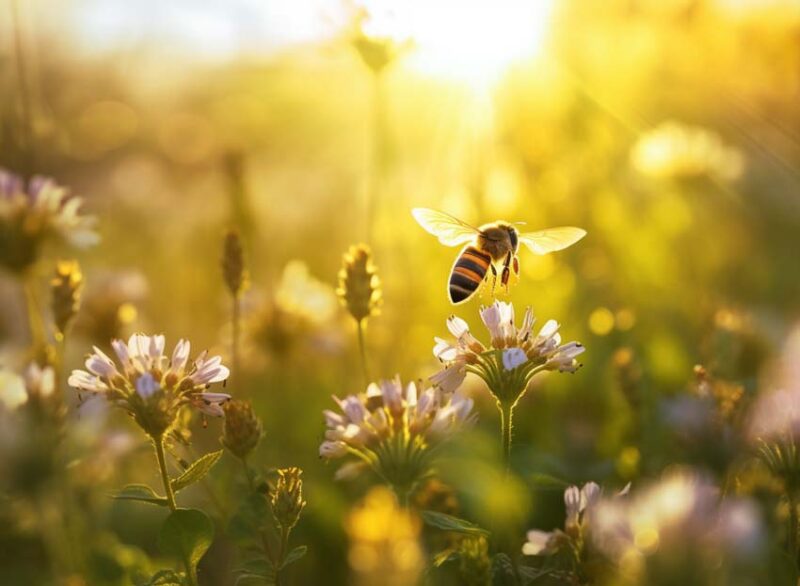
(393, 430)
(509, 363)
(360, 292)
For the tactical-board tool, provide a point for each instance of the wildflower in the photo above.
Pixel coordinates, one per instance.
(233, 270)
(394, 430)
(675, 150)
(34, 213)
(359, 285)
(507, 365)
(66, 287)
(287, 498)
(679, 525)
(578, 503)
(377, 49)
(242, 429)
(513, 357)
(149, 385)
(384, 542)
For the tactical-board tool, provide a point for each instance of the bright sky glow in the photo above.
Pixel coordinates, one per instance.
(466, 40)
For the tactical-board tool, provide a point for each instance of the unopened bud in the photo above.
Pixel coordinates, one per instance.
(242, 430)
(66, 287)
(287, 498)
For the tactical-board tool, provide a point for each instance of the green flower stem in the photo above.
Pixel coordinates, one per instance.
(794, 527)
(236, 327)
(506, 431)
(362, 349)
(35, 321)
(248, 473)
(158, 442)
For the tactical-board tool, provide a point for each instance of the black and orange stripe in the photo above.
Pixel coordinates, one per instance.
(468, 273)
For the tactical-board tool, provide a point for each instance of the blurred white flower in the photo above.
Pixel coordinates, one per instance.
(34, 212)
(675, 150)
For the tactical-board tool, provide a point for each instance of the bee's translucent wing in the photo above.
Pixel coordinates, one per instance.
(449, 230)
(552, 239)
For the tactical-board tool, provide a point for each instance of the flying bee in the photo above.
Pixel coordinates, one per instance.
(486, 247)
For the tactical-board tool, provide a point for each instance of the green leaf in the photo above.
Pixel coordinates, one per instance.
(187, 535)
(260, 566)
(196, 471)
(541, 480)
(450, 523)
(141, 493)
(294, 555)
(254, 580)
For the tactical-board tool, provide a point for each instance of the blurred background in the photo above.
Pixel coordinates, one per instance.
(668, 129)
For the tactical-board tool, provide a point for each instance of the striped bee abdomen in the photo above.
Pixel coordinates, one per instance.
(468, 273)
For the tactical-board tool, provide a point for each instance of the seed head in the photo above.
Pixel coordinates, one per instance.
(359, 285)
(233, 269)
(287, 497)
(66, 285)
(242, 430)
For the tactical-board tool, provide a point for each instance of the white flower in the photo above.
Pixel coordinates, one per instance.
(393, 428)
(40, 382)
(516, 352)
(36, 211)
(144, 369)
(578, 504)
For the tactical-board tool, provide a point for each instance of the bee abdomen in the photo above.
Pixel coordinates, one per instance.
(468, 273)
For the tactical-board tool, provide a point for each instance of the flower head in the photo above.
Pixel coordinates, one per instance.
(394, 429)
(66, 287)
(287, 497)
(35, 212)
(242, 429)
(513, 357)
(678, 524)
(359, 285)
(578, 503)
(150, 385)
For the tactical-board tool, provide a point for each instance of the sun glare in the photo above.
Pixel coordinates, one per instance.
(467, 41)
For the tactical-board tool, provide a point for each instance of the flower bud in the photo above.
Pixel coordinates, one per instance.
(242, 430)
(66, 289)
(287, 497)
(359, 285)
(233, 270)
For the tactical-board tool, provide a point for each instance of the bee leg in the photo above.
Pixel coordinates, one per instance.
(515, 265)
(494, 277)
(506, 271)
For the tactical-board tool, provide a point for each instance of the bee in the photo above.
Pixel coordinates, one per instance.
(486, 247)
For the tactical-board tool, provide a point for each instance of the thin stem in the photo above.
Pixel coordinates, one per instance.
(236, 326)
(794, 527)
(378, 148)
(263, 534)
(191, 571)
(362, 349)
(35, 321)
(506, 431)
(25, 96)
(162, 465)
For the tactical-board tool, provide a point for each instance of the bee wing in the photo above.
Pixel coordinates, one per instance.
(449, 230)
(552, 239)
